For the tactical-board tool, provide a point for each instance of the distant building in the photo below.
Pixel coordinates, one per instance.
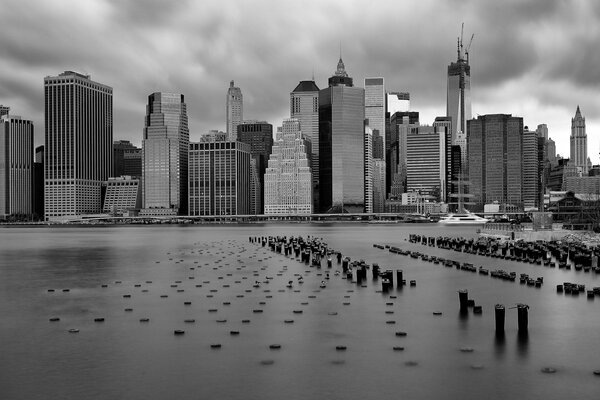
(78, 144)
(16, 167)
(304, 105)
(219, 178)
(400, 122)
(378, 185)
(127, 159)
(165, 156)
(259, 136)
(38, 183)
(234, 110)
(368, 172)
(582, 184)
(531, 182)
(375, 102)
(122, 195)
(579, 156)
(288, 180)
(495, 144)
(458, 100)
(556, 175)
(4, 110)
(341, 145)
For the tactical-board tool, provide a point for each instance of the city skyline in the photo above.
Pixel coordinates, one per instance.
(538, 64)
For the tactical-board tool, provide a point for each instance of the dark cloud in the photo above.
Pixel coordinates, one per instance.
(522, 52)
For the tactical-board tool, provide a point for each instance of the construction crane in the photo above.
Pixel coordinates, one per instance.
(468, 47)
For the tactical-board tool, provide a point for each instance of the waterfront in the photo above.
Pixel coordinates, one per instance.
(125, 358)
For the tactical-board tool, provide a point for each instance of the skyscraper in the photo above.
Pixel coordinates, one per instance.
(304, 105)
(38, 182)
(259, 136)
(127, 159)
(16, 166)
(495, 145)
(235, 110)
(375, 101)
(458, 97)
(579, 143)
(378, 185)
(219, 174)
(341, 143)
(288, 180)
(368, 172)
(530, 169)
(78, 144)
(165, 155)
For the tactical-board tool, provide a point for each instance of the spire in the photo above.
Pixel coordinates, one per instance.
(578, 112)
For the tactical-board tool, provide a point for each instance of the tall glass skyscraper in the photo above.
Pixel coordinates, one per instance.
(341, 145)
(78, 144)
(16, 166)
(458, 100)
(375, 100)
(579, 143)
(304, 106)
(165, 155)
(234, 110)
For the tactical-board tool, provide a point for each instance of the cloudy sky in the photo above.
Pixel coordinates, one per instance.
(537, 59)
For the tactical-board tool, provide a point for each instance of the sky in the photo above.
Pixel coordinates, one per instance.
(535, 59)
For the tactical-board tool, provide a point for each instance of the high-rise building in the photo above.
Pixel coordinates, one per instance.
(304, 105)
(378, 185)
(78, 144)
(341, 144)
(495, 144)
(219, 178)
(579, 156)
(375, 101)
(288, 180)
(38, 183)
(458, 96)
(235, 110)
(165, 155)
(259, 136)
(127, 159)
(400, 123)
(368, 172)
(4, 110)
(551, 152)
(427, 164)
(530, 169)
(16, 167)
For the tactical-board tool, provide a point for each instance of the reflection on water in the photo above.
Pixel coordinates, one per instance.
(219, 283)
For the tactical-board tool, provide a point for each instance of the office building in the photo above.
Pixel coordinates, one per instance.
(38, 183)
(378, 185)
(16, 167)
(234, 110)
(4, 110)
(495, 145)
(368, 172)
(127, 159)
(259, 136)
(288, 180)
(122, 196)
(165, 156)
(341, 145)
(219, 178)
(458, 95)
(551, 152)
(78, 144)
(531, 170)
(579, 156)
(375, 101)
(304, 105)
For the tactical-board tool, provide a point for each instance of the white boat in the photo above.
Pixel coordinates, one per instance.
(465, 218)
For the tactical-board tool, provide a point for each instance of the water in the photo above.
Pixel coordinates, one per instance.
(125, 358)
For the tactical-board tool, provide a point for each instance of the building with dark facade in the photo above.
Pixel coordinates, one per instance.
(259, 136)
(38, 183)
(495, 144)
(165, 155)
(219, 178)
(78, 144)
(341, 145)
(127, 159)
(16, 167)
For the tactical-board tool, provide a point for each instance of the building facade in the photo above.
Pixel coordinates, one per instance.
(458, 96)
(531, 170)
(234, 110)
(122, 195)
(16, 167)
(288, 179)
(368, 172)
(38, 183)
(495, 145)
(78, 142)
(259, 136)
(341, 145)
(165, 155)
(375, 101)
(127, 159)
(219, 178)
(579, 156)
(304, 105)
(378, 185)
